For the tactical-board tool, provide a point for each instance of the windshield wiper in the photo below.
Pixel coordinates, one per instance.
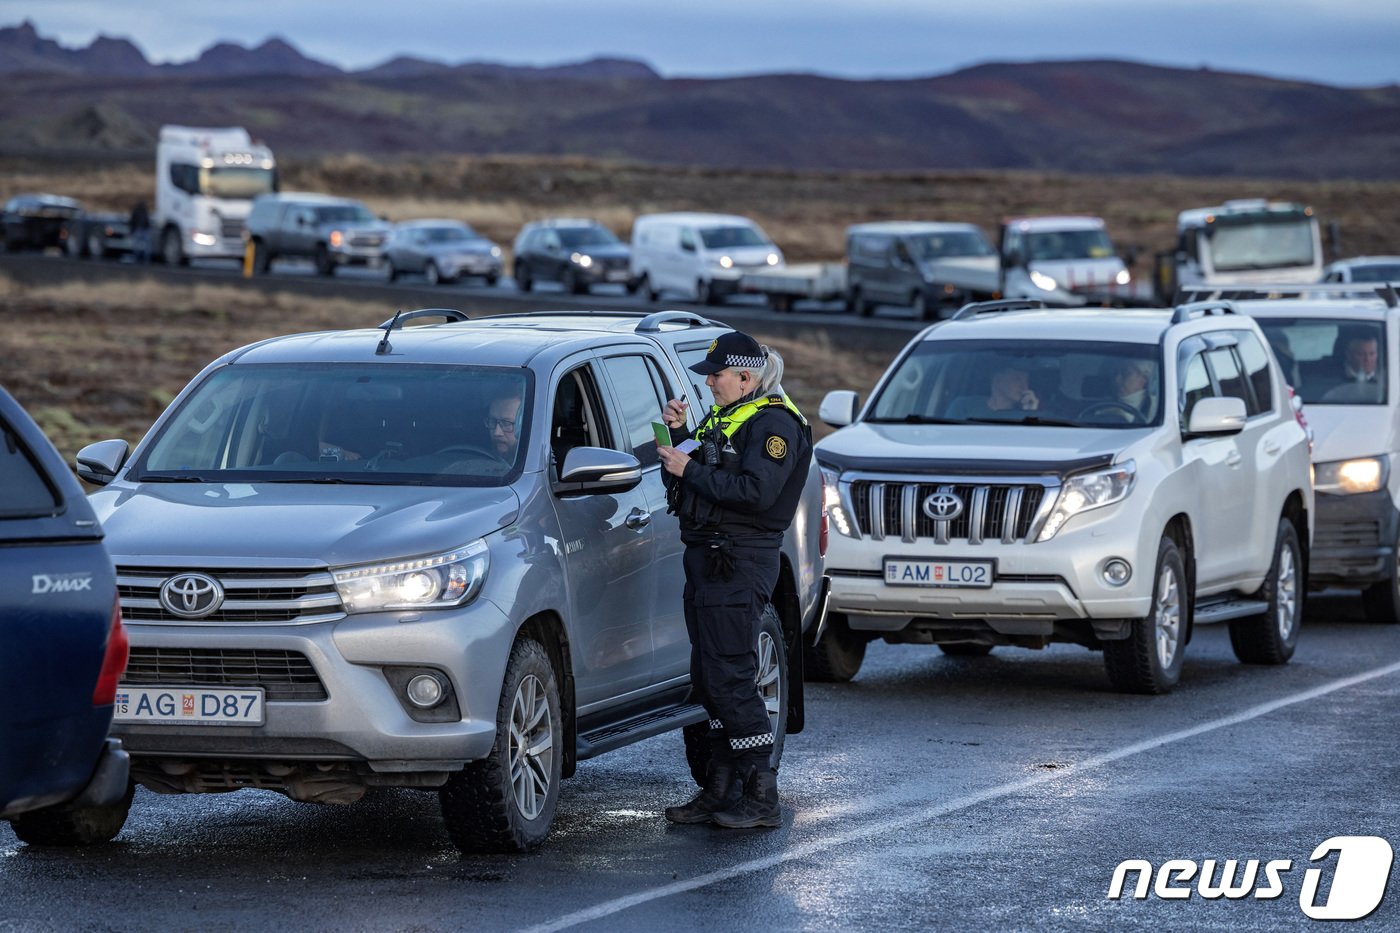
(1028, 419)
(177, 478)
(912, 419)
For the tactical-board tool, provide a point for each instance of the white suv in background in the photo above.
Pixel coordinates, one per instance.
(1338, 347)
(1149, 475)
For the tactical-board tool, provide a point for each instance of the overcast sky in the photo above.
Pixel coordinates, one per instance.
(1344, 42)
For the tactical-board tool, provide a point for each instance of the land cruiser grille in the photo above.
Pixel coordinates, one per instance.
(284, 675)
(251, 597)
(990, 512)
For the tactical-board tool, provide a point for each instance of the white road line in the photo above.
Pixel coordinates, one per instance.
(815, 846)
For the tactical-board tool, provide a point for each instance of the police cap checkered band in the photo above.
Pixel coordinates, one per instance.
(731, 349)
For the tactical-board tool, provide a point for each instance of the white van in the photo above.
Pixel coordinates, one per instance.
(702, 256)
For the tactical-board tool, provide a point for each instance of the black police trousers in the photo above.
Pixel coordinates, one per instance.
(722, 616)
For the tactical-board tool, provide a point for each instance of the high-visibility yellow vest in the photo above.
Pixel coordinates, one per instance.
(728, 424)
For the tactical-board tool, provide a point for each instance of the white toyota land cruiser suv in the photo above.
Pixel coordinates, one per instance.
(1108, 478)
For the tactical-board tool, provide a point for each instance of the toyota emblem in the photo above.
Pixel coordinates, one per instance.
(943, 506)
(191, 595)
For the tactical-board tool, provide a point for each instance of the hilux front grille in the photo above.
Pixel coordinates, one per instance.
(283, 675)
(1005, 512)
(251, 596)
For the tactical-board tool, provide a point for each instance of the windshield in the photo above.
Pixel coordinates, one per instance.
(448, 234)
(1058, 383)
(345, 213)
(237, 181)
(729, 237)
(586, 236)
(926, 246)
(1281, 243)
(1330, 361)
(1051, 245)
(388, 424)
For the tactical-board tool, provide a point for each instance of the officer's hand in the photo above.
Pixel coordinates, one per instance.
(674, 413)
(673, 460)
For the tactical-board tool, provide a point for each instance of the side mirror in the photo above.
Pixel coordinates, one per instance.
(687, 247)
(597, 469)
(838, 408)
(1014, 259)
(99, 463)
(1217, 416)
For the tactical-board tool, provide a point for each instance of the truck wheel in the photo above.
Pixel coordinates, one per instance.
(965, 650)
(66, 825)
(505, 802)
(324, 264)
(772, 685)
(838, 656)
(171, 249)
(1149, 659)
(1269, 638)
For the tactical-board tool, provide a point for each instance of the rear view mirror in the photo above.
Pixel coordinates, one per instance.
(839, 407)
(1217, 416)
(99, 463)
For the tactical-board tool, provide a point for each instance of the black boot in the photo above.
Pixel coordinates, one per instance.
(759, 804)
(721, 791)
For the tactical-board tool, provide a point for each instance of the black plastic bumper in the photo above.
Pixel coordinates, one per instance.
(1354, 539)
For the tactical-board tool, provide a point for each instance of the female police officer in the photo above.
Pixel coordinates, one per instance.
(734, 495)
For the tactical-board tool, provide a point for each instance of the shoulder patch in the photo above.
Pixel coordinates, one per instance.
(776, 447)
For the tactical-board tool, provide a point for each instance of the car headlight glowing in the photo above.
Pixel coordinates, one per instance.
(1348, 477)
(725, 262)
(1123, 277)
(1087, 491)
(437, 582)
(204, 239)
(495, 251)
(337, 239)
(831, 489)
(1042, 281)
(773, 259)
(582, 260)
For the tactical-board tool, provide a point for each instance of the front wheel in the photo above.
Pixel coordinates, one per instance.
(1382, 600)
(523, 281)
(772, 680)
(1149, 659)
(1270, 637)
(645, 287)
(171, 249)
(506, 801)
(324, 264)
(924, 310)
(431, 273)
(838, 656)
(66, 825)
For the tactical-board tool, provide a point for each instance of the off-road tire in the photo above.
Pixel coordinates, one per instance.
(1135, 664)
(478, 803)
(697, 736)
(836, 659)
(1269, 638)
(66, 825)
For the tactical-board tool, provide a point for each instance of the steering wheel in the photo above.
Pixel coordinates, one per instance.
(472, 449)
(1110, 405)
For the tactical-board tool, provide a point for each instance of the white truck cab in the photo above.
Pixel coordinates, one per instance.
(702, 256)
(1241, 242)
(206, 179)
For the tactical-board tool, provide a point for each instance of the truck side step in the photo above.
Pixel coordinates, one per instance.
(1223, 609)
(615, 735)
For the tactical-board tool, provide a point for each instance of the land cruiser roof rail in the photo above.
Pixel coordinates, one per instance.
(652, 322)
(400, 318)
(997, 307)
(1385, 291)
(1203, 308)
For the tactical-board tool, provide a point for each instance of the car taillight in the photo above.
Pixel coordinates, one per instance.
(113, 662)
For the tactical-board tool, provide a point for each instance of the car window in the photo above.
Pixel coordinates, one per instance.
(869, 246)
(687, 239)
(1195, 385)
(551, 240)
(577, 418)
(634, 380)
(367, 423)
(1229, 378)
(1256, 369)
(25, 491)
(731, 237)
(1330, 360)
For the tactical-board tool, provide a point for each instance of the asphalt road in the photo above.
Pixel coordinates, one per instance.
(930, 793)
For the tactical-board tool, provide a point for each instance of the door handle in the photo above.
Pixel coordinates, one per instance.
(637, 518)
(1234, 458)
(1271, 447)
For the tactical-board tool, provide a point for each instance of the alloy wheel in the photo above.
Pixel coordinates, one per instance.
(1168, 615)
(531, 747)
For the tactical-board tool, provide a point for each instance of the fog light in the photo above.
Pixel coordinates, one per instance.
(1117, 571)
(425, 691)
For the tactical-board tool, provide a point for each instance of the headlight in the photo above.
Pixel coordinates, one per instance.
(832, 491)
(495, 251)
(1346, 477)
(337, 238)
(437, 582)
(725, 262)
(1042, 281)
(204, 239)
(773, 259)
(582, 260)
(1123, 277)
(1089, 491)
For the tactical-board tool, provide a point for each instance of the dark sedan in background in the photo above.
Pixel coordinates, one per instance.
(576, 252)
(62, 649)
(36, 221)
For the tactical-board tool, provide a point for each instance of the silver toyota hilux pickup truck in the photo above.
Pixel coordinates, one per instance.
(432, 557)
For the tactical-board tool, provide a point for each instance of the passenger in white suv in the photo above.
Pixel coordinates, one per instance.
(1079, 510)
